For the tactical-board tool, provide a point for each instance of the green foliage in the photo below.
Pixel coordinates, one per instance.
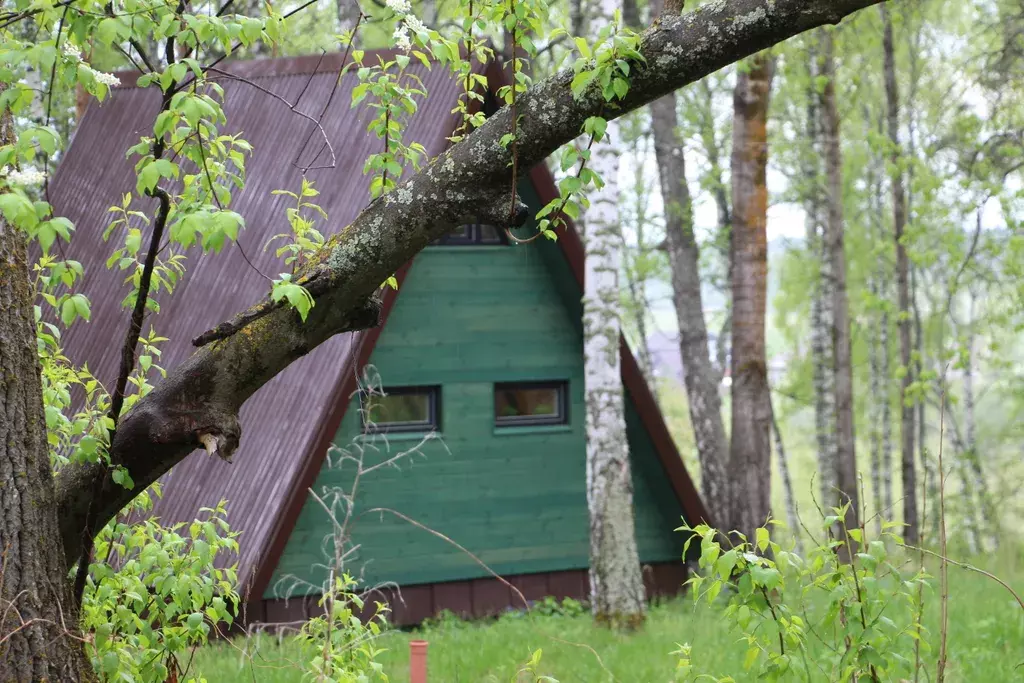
(339, 646)
(566, 607)
(530, 671)
(601, 70)
(155, 592)
(866, 611)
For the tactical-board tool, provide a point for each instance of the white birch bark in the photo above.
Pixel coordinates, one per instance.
(616, 585)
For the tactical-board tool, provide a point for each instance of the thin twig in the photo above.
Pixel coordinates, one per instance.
(473, 557)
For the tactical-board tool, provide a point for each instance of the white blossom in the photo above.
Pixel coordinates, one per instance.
(29, 177)
(401, 37)
(414, 24)
(109, 80)
(399, 6)
(71, 50)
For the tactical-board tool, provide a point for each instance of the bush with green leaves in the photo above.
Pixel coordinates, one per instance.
(340, 646)
(865, 612)
(155, 592)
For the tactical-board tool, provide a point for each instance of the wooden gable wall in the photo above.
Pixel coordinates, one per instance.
(465, 318)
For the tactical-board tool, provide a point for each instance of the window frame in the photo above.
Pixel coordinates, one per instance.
(561, 418)
(472, 235)
(433, 422)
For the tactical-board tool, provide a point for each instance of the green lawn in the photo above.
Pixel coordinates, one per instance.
(986, 639)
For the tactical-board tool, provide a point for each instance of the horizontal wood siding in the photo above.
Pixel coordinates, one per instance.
(465, 318)
(484, 597)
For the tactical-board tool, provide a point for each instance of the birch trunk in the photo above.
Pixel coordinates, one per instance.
(38, 615)
(616, 585)
(879, 414)
(909, 474)
(846, 455)
(928, 467)
(821, 303)
(750, 453)
(699, 376)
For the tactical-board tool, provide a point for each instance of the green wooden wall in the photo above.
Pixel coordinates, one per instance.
(465, 318)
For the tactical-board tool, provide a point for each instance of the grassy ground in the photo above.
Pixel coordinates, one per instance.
(986, 643)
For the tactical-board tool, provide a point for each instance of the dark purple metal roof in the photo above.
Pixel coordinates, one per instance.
(281, 423)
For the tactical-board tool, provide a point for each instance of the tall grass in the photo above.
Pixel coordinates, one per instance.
(986, 642)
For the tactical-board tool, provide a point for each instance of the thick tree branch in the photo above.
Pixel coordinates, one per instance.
(467, 183)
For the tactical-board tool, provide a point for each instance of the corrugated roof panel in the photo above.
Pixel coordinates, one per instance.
(275, 421)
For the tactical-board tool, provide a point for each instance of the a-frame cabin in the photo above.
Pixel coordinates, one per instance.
(482, 344)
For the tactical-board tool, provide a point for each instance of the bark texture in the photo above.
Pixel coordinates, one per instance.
(468, 181)
(821, 297)
(38, 617)
(899, 210)
(699, 375)
(750, 454)
(616, 584)
(846, 456)
(879, 411)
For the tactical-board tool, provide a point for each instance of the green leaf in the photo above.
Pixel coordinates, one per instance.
(763, 539)
(767, 577)
(751, 657)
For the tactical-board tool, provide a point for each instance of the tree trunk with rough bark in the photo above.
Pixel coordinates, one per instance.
(846, 455)
(878, 353)
(899, 209)
(39, 638)
(821, 296)
(928, 464)
(750, 453)
(616, 584)
(699, 376)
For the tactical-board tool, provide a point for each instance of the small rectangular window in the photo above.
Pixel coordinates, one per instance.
(401, 409)
(530, 403)
(474, 233)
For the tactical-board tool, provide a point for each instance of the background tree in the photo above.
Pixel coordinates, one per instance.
(750, 453)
